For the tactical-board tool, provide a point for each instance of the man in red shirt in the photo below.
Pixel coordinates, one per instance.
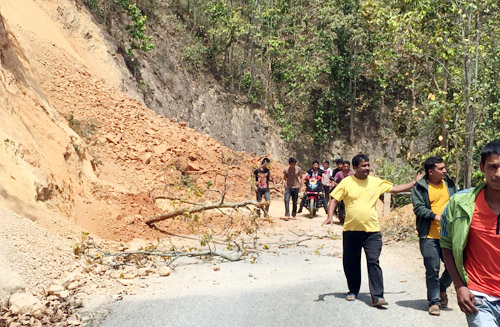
(470, 240)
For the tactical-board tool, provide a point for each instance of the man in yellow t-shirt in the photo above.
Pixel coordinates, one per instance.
(429, 197)
(360, 193)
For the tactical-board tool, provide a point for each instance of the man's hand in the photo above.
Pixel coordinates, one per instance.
(465, 300)
(437, 218)
(328, 221)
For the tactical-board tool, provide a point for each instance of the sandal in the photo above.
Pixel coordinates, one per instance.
(378, 302)
(434, 310)
(350, 297)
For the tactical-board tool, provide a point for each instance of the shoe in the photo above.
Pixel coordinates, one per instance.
(350, 297)
(434, 310)
(300, 211)
(378, 302)
(444, 299)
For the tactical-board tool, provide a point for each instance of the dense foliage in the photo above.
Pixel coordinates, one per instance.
(324, 67)
(138, 39)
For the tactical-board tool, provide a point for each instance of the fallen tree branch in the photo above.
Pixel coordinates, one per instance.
(227, 257)
(203, 207)
(236, 256)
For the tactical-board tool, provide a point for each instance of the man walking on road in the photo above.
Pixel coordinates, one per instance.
(429, 197)
(360, 193)
(292, 176)
(470, 239)
(262, 179)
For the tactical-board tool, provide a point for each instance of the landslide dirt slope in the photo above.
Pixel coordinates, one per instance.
(105, 179)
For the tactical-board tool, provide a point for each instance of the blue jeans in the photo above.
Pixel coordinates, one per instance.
(487, 316)
(431, 251)
(294, 193)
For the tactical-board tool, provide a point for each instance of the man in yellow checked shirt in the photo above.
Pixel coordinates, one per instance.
(360, 193)
(429, 197)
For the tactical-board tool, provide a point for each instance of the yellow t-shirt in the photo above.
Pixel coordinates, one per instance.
(360, 197)
(438, 196)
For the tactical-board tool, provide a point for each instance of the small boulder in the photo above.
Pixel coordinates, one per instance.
(164, 271)
(54, 289)
(21, 303)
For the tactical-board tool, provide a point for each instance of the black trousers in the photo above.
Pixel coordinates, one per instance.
(353, 242)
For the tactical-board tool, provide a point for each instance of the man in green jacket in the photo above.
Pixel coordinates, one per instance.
(470, 239)
(429, 197)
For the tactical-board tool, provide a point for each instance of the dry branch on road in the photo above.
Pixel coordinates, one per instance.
(203, 207)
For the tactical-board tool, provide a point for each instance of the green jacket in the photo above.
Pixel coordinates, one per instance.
(422, 205)
(455, 225)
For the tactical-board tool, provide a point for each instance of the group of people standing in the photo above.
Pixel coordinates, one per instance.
(295, 179)
(461, 228)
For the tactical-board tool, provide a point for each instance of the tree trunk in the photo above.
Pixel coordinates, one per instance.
(353, 80)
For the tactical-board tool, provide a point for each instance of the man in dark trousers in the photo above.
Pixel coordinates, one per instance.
(292, 177)
(360, 193)
(429, 197)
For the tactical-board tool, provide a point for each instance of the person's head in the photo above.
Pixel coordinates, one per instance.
(292, 162)
(326, 164)
(490, 164)
(265, 163)
(435, 169)
(346, 166)
(315, 165)
(339, 163)
(361, 166)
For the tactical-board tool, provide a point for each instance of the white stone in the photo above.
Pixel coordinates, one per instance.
(55, 289)
(21, 303)
(164, 271)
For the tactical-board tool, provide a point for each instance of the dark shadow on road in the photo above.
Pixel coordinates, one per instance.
(420, 305)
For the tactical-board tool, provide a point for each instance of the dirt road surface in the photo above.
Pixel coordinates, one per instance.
(297, 281)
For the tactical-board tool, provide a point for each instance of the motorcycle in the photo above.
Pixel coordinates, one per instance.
(313, 192)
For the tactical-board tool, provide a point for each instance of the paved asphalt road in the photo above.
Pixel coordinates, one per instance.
(291, 288)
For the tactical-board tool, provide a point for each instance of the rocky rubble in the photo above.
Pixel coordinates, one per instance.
(55, 287)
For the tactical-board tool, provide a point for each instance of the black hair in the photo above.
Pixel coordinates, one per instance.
(358, 158)
(339, 161)
(430, 163)
(491, 148)
(292, 160)
(347, 162)
(265, 161)
(326, 162)
(315, 161)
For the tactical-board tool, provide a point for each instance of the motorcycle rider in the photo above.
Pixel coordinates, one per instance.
(317, 174)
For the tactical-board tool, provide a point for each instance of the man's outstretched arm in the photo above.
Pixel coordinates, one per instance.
(407, 186)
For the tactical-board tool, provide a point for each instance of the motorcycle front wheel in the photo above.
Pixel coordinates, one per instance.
(312, 208)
